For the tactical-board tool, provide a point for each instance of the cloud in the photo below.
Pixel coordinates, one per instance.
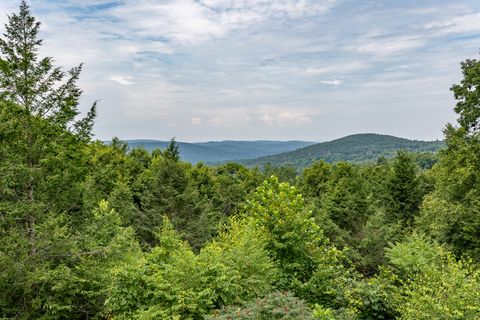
(335, 82)
(390, 45)
(254, 68)
(467, 23)
(197, 120)
(123, 80)
(192, 21)
(337, 68)
(231, 118)
(275, 116)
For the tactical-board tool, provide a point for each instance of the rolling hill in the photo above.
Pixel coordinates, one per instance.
(222, 151)
(356, 148)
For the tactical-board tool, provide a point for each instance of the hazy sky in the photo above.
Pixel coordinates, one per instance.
(262, 69)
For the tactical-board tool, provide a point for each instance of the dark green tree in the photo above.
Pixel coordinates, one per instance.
(41, 168)
(47, 100)
(284, 173)
(44, 98)
(346, 199)
(403, 194)
(34, 83)
(313, 181)
(172, 152)
(276, 305)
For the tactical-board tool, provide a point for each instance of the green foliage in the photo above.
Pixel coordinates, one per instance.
(425, 160)
(286, 173)
(142, 289)
(403, 193)
(345, 201)
(43, 90)
(166, 187)
(94, 231)
(172, 152)
(378, 232)
(41, 167)
(308, 265)
(343, 207)
(359, 148)
(322, 313)
(451, 213)
(221, 152)
(375, 297)
(276, 305)
(234, 183)
(242, 248)
(313, 181)
(66, 277)
(79, 284)
(468, 95)
(431, 284)
(233, 268)
(293, 236)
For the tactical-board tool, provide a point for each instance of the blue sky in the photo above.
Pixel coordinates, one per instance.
(262, 69)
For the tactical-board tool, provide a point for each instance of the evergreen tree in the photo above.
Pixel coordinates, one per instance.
(313, 181)
(172, 151)
(41, 168)
(42, 101)
(35, 84)
(403, 196)
(345, 201)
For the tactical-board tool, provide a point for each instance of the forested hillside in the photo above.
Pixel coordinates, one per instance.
(96, 231)
(358, 148)
(221, 151)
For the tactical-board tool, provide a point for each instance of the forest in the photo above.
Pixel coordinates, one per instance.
(357, 148)
(96, 231)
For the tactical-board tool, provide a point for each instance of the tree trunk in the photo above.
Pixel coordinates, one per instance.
(31, 222)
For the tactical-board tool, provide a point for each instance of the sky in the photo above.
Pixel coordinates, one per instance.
(312, 70)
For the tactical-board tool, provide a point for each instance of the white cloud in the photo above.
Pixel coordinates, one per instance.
(291, 8)
(197, 120)
(460, 24)
(231, 118)
(123, 80)
(335, 82)
(337, 68)
(241, 68)
(275, 116)
(193, 21)
(291, 117)
(390, 45)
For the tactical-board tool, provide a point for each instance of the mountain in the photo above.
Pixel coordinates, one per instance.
(356, 148)
(222, 151)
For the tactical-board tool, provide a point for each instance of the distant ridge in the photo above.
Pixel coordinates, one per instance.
(221, 151)
(357, 148)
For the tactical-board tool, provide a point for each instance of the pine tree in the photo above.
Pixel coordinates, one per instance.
(172, 152)
(35, 84)
(41, 167)
(403, 198)
(44, 98)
